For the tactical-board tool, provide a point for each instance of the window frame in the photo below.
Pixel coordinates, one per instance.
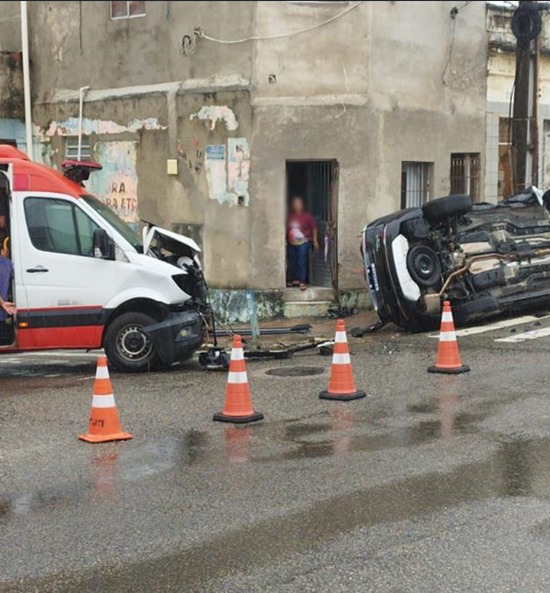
(469, 166)
(84, 155)
(127, 15)
(74, 219)
(424, 171)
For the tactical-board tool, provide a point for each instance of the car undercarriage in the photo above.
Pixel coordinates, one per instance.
(486, 259)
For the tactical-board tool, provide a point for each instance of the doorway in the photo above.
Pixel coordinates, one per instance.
(317, 183)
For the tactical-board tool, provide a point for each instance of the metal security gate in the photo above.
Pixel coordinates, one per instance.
(465, 170)
(317, 183)
(415, 184)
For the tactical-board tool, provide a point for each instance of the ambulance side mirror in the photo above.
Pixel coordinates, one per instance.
(104, 247)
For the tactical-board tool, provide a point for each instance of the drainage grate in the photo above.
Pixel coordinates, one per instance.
(295, 371)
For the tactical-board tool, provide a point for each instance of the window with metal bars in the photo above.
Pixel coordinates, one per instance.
(416, 180)
(465, 174)
(71, 148)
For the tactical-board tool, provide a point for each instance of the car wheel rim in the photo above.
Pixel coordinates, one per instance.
(134, 344)
(425, 266)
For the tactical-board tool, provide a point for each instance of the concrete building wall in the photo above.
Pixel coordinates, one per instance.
(370, 90)
(10, 26)
(11, 97)
(388, 82)
(79, 44)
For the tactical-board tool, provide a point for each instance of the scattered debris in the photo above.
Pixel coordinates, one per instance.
(217, 359)
(265, 331)
(342, 312)
(358, 332)
(295, 371)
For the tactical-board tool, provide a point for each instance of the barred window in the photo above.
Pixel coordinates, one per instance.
(416, 181)
(71, 148)
(465, 174)
(126, 9)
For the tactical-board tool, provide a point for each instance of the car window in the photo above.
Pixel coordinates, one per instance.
(58, 226)
(85, 227)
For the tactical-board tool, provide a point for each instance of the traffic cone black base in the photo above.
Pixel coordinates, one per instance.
(347, 397)
(454, 371)
(238, 419)
(237, 407)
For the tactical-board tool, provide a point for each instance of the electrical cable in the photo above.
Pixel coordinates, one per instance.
(451, 48)
(454, 13)
(200, 33)
(188, 45)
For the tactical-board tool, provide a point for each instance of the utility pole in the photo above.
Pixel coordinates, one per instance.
(526, 26)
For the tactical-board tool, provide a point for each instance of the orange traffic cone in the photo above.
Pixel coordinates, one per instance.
(104, 424)
(341, 384)
(447, 360)
(237, 407)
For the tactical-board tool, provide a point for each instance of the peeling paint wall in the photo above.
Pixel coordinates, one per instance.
(228, 172)
(212, 114)
(117, 184)
(70, 127)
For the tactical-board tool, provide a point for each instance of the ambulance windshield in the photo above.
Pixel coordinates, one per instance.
(115, 221)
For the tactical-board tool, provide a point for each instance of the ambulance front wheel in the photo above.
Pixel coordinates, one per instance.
(128, 347)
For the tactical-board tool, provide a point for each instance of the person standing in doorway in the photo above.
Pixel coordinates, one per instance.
(301, 235)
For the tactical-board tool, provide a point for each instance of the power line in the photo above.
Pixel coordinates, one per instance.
(451, 48)
(200, 33)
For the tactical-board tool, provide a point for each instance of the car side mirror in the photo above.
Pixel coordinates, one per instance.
(104, 247)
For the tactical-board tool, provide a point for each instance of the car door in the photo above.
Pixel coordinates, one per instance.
(65, 285)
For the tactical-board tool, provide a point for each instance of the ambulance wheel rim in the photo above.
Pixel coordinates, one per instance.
(133, 343)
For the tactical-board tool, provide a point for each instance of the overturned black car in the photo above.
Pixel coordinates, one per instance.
(486, 259)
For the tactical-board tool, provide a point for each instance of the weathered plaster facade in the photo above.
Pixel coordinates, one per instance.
(384, 84)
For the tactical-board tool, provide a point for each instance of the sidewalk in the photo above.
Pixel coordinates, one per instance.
(322, 327)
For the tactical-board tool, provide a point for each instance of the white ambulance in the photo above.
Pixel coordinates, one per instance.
(84, 279)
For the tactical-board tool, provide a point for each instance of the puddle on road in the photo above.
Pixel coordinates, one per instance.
(32, 381)
(330, 433)
(517, 469)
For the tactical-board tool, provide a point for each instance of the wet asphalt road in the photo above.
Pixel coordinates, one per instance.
(432, 483)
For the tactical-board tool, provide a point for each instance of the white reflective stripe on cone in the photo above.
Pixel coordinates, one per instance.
(237, 354)
(103, 401)
(447, 336)
(341, 358)
(340, 337)
(102, 373)
(239, 377)
(447, 316)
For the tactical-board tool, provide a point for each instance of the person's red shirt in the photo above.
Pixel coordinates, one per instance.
(300, 228)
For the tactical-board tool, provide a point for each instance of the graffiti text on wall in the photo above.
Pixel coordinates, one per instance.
(116, 185)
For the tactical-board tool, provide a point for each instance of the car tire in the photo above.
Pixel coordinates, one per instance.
(127, 347)
(424, 266)
(480, 308)
(442, 209)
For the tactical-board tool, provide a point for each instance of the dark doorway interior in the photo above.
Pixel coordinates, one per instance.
(317, 183)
